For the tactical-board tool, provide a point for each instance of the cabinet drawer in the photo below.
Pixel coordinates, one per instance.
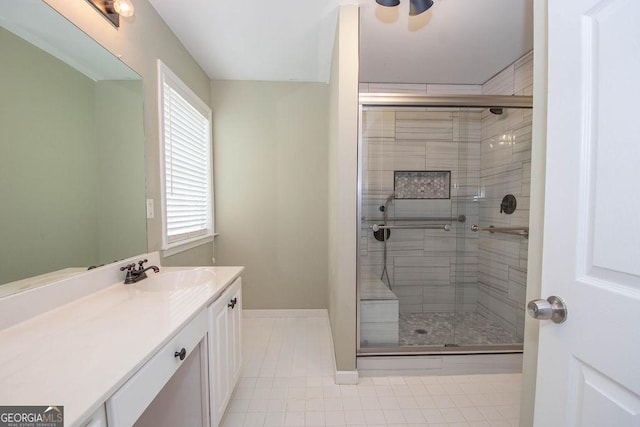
(129, 402)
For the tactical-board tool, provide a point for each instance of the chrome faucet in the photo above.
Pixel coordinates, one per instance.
(135, 275)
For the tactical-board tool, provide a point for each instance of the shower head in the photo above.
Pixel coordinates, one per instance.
(496, 110)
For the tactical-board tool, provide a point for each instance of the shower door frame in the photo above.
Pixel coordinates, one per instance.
(426, 101)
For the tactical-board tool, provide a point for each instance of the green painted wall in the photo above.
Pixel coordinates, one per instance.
(121, 206)
(270, 166)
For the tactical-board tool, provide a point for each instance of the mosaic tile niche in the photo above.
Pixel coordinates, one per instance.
(422, 184)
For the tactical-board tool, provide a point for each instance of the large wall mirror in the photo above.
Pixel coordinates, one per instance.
(72, 172)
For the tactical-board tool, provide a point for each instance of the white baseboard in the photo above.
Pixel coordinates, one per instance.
(347, 377)
(341, 377)
(321, 312)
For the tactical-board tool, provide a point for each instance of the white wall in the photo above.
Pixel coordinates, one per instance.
(270, 166)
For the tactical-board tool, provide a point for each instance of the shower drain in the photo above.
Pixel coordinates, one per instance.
(420, 331)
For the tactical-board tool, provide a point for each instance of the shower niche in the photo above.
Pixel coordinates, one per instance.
(422, 184)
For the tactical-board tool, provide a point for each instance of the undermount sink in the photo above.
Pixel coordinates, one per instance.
(174, 280)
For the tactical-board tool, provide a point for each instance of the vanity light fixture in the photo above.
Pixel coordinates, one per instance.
(123, 8)
(416, 7)
(114, 9)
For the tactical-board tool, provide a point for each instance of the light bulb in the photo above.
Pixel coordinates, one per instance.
(123, 8)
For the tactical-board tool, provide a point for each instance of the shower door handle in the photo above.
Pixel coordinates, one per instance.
(552, 308)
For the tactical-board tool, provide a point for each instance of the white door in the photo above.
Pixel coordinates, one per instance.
(589, 366)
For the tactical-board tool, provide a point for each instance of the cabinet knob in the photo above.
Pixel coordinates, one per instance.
(233, 303)
(181, 354)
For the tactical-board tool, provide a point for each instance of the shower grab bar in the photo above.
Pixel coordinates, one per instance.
(445, 227)
(521, 231)
(459, 218)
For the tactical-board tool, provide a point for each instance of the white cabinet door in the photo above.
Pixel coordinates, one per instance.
(219, 358)
(235, 326)
(225, 352)
(588, 371)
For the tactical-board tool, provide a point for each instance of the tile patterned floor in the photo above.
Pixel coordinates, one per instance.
(440, 329)
(287, 380)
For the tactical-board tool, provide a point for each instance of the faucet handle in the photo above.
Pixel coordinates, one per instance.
(141, 262)
(128, 267)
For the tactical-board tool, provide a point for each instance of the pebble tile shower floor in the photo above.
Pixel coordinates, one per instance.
(451, 328)
(287, 379)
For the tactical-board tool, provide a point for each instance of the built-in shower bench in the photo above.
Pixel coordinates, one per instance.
(379, 313)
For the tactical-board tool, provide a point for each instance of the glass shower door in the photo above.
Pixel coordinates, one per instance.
(498, 249)
(410, 179)
(444, 209)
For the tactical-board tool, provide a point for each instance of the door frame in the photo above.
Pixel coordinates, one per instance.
(536, 213)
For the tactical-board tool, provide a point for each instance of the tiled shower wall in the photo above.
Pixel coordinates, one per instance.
(505, 168)
(424, 267)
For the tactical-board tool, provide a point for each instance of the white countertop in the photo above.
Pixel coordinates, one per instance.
(79, 354)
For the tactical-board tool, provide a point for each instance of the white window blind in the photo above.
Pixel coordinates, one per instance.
(186, 135)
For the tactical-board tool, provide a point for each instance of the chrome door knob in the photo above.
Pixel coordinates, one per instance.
(553, 308)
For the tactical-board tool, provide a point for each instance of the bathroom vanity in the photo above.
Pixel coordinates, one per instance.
(163, 351)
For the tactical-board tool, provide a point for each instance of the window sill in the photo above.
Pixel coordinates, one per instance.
(190, 244)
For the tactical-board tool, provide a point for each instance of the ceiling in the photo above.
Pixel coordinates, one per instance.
(456, 41)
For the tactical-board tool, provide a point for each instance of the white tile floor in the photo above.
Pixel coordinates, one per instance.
(288, 380)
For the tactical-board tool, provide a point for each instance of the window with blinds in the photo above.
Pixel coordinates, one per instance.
(185, 124)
